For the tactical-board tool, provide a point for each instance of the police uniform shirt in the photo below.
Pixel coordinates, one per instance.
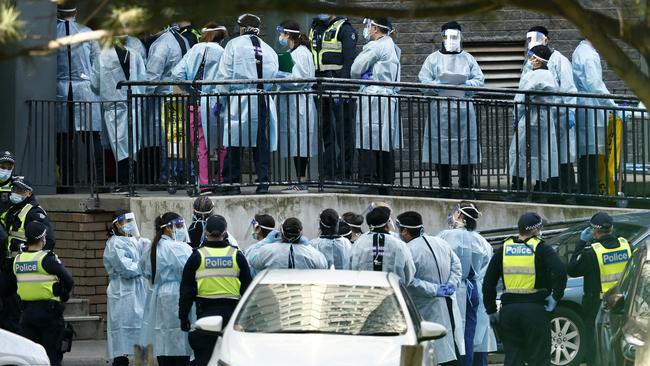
(4, 194)
(584, 263)
(52, 265)
(188, 290)
(550, 275)
(35, 214)
(348, 38)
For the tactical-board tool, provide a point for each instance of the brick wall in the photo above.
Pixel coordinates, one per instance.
(80, 241)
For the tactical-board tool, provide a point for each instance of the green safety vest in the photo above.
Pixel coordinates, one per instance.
(34, 283)
(20, 232)
(611, 262)
(519, 266)
(330, 44)
(218, 275)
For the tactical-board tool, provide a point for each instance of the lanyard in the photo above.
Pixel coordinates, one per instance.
(378, 241)
(434, 259)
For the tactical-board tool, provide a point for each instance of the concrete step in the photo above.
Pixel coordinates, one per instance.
(77, 307)
(87, 327)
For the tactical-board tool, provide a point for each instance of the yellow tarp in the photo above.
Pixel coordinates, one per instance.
(607, 175)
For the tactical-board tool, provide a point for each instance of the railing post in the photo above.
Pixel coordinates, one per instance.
(129, 106)
(194, 119)
(321, 146)
(529, 183)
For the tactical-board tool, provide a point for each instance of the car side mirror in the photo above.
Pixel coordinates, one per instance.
(430, 331)
(210, 324)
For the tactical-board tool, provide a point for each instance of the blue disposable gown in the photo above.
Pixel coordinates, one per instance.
(430, 273)
(126, 295)
(484, 339)
(164, 53)
(335, 250)
(561, 69)
(297, 112)
(397, 257)
(241, 110)
(452, 125)
(107, 73)
(276, 255)
(135, 45)
(83, 56)
(377, 119)
(474, 252)
(161, 326)
(591, 123)
(543, 136)
(189, 66)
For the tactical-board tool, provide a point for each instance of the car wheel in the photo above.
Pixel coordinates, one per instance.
(567, 337)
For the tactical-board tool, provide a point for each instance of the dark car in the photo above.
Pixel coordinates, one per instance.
(622, 322)
(567, 326)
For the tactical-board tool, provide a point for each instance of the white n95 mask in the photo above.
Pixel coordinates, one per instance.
(451, 40)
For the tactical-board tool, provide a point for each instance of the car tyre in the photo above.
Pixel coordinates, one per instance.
(567, 337)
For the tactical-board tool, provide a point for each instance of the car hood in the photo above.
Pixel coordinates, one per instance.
(250, 349)
(16, 350)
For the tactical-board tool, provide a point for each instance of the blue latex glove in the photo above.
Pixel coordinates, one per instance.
(215, 109)
(586, 234)
(442, 291)
(551, 304)
(450, 289)
(572, 118)
(367, 75)
(272, 237)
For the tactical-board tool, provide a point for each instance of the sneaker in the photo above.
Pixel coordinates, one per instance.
(296, 189)
(262, 189)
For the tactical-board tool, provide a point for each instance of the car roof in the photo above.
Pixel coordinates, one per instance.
(328, 277)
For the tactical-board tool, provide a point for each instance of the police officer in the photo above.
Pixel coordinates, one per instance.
(9, 300)
(7, 164)
(534, 280)
(43, 284)
(215, 276)
(601, 260)
(333, 45)
(23, 210)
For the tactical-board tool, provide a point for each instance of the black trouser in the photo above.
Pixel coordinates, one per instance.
(261, 154)
(203, 343)
(121, 361)
(149, 163)
(376, 166)
(459, 359)
(123, 172)
(338, 136)
(567, 180)
(86, 143)
(301, 164)
(588, 174)
(518, 184)
(10, 313)
(465, 179)
(590, 305)
(173, 360)
(525, 329)
(42, 322)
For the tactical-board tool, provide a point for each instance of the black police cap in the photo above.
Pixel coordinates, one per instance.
(35, 231)
(601, 220)
(23, 184)
(7, 157)
(216, 225)
(530, 221)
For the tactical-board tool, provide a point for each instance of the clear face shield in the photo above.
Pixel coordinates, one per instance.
(128, 224)
(251, 232)
(535, 39)
(399, 226)
(451, 39)
(179, 230)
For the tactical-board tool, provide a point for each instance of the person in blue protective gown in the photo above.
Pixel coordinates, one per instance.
(474, 254)
(378, 250)
(127, 288)
(162, 264)
(329, 242)
(290, 251)
(297, 115)
(433, 289)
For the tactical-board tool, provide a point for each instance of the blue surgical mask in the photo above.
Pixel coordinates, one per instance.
(254, 236)
(129, 228)
(179, 235)
(15, 198)
(323, 17)
(587, 234)
(5, 174)
(283, 41)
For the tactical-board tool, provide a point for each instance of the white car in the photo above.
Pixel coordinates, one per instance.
(320, 317)
(17, 350)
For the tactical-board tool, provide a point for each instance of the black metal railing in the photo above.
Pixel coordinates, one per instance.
(374, 136)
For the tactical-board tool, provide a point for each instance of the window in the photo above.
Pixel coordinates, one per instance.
(641, 305)
(318, 308)
(501, 62)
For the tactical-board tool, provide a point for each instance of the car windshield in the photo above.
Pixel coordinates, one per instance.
(319, 308)
(567, 242)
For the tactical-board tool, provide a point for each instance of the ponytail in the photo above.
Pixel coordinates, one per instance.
(303, 40)
(160, 224)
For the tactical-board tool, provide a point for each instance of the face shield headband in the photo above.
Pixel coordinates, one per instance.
(281, 29)
(369, 23)
(290, 240)
(535, 39)
(213, 29)
(249, 28)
